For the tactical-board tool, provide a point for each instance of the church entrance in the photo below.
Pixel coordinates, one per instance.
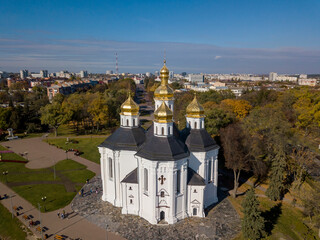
(162, 215)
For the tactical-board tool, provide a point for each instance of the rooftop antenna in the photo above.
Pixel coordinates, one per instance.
(117, 72)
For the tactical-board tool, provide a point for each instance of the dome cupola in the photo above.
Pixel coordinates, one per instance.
(195, 109)
(163, 114)
(129, 107)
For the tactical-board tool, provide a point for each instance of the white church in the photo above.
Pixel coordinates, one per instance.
(161, 174)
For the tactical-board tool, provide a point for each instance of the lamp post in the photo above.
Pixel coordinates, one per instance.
(5, 173)
(40, 220)
(43, 200)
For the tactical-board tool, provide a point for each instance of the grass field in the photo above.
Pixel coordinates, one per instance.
(89, 146)
(56, 193)
(68, 130)
(10, 228)
(283, 221)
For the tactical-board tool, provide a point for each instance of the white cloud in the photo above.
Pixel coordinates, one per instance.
(217, 57)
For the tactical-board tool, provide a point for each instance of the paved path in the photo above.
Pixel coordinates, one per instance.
(43, 155)
(75, 226)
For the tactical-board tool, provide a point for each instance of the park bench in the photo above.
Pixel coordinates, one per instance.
(59, 237)
(25, 217)
(39, 229)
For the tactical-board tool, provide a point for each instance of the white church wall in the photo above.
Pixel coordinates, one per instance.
(130, 198)
(128, 163)
(195, 123)
(195, 201)
(128, 121)
(196, 162)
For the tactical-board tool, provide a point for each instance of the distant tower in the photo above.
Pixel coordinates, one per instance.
(117, 72)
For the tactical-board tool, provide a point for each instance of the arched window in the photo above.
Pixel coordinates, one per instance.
(121, 121)
(130, 188)
(178, 181)
(162, 194)
(127, 122)
(209, 171)
(162, 131)
(156, 130)
(134, 122)
(110, 168)
(130, 201)
(168, 130)
(200, 124)
(195, 212)
(189, 124)
(145, 180)
(195, 125)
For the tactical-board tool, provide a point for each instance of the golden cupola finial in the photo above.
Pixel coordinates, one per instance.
(195, 109)
(163, 114)
(129, 107)
(164, 74)
(164, 92)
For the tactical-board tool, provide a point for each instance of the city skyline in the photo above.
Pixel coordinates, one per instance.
(234, 37)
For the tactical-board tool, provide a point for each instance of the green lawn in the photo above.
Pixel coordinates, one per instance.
(283, 220)
(57, 196)
(68, 130)
(10, 228)
(89, 146)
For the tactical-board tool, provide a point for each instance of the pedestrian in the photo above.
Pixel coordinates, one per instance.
(62, 216)
(82, 192)
(58, 215)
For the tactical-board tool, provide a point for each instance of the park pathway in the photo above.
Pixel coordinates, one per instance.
(42, 155)
(74, 226)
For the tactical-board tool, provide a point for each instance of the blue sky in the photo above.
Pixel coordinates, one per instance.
(226, 36)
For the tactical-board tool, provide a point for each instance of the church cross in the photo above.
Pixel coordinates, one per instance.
(162, 179)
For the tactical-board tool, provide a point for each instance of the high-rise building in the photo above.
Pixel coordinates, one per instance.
(273, 76)
(171, 73)
(83, 74)
(109, 72)
(196, 78)
(24, 74)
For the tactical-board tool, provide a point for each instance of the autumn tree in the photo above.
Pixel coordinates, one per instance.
(253, 224)
(240, 108)
(99, 111)
(234, 152)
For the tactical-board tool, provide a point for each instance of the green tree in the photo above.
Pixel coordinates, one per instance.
(278, 170)
(253, 224)
(52, 115)
(217, 118)
(5, 114)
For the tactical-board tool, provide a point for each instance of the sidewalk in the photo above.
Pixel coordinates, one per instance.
(43, 155)
(74, 226)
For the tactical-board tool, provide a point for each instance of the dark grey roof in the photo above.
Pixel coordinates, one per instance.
(125, 139)
(132, 177)
(162, 148)
(194, 178)
(199, 140)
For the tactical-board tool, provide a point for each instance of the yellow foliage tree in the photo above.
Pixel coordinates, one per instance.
(240, 108)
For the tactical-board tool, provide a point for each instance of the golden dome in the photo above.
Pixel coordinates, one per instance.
(163, 114)
(194, 109)
(129, 107)
(164, 92)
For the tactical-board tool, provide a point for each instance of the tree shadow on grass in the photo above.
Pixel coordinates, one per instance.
(271, 217)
